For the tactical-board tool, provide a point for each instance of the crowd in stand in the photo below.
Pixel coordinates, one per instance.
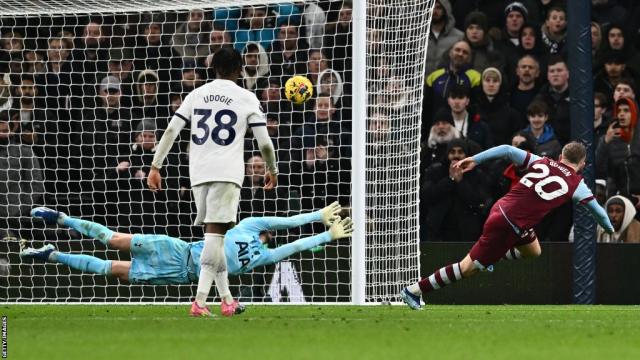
(497, 74)
(83, 103)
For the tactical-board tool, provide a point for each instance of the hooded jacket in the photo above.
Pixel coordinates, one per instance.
(620, 158)
(337, 94)
(249, 80)
(439, 45)
(629, 231)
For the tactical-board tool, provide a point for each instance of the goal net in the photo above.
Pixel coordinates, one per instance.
(87, 88)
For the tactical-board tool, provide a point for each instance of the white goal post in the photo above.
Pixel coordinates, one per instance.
(85, 85)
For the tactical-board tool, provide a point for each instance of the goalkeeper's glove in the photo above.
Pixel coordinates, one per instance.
(330, 213)
(341, 228)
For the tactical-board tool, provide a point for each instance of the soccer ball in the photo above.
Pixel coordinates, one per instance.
(298, 89)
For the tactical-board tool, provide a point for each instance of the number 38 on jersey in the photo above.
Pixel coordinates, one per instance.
(222, 132)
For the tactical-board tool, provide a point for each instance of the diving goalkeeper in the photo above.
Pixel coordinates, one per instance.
(162, 260)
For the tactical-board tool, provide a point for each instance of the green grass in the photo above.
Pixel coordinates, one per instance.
(324, 332)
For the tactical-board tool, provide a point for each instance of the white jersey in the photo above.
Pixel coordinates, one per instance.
(219, 113)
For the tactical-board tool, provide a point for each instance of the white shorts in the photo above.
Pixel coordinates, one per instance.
(216, 202)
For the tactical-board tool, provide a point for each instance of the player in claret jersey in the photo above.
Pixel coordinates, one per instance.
(508, 232)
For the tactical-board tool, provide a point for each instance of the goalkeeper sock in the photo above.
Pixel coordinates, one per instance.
(440, 278)
(89, 228)
(213, 265)
(512, 254)
(84, 263)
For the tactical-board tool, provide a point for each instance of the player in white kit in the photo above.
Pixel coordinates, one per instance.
(219, 114)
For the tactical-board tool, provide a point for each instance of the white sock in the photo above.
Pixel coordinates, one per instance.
(415, 289)
(213, 266)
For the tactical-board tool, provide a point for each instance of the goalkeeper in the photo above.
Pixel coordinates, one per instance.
(162, 260)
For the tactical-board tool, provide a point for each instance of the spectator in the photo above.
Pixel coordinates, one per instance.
(6, 98)
(269, 93)
(253, 199)
(484, 55)
(330, 82)
(324, 122)
(21, 181)
(144, 211)
(34, 62)
(440, 134)
(257, 23)
(314, 20)
(530, 44)
(289, 52)
(218, 38)
(457, 71)
(626, 88)
(109, 121)
(596, 45)
(280, 134)
(622, 216)
(556, 95)
(32, 118)
(470, 126)
(256, 65)
(191, 40)
(120, 66)
(317, 62)
(618, 152)
(11, 45)
(515, 16)
(190, 77)
(546, 143)
(149, 104)
(493, 107)
(453, 198)
(338, 39)
(56, 80)
(88, 58)
(607, 12)
(395, 95)
(601, 119)
(322, 176)
(616, 39)
(442, 34)
(526, 88)
(554, 30)
(152, 52)
(613, 71)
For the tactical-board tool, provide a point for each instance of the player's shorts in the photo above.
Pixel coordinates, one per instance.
(159, 260)
(216, 202)
(498, 236)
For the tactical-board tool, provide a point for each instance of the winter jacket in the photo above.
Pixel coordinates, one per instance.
(629, 231)
(21, 180)
(438, 46)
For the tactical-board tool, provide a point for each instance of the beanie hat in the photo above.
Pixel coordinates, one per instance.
(516, 6)
(477, 18)
(444, 114)
(146, 125)
(492, 70)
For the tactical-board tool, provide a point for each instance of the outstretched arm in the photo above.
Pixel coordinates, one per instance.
(340, 229)
(327, 215)
(583, 196)
(517, 156)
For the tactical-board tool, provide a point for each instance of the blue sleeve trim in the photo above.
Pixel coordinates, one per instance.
(257, 124)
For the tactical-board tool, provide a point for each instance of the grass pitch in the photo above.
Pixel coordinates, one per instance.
(324, 332)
